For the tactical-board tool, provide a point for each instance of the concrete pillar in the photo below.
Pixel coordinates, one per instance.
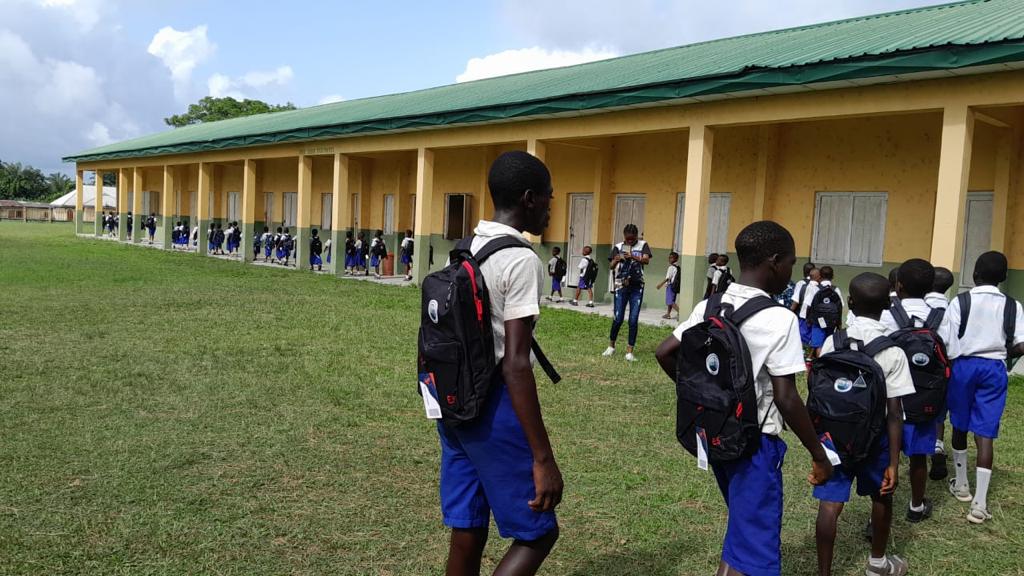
(122, 204)
(767, 144)
(79, 201)
(167, 207)
(951, 195)
(339, 213)
(203, 206)
(1008, 148)
(248, 209)
(424, 205)
(538, 149)
(602, 234)
(97, 212)
(137, 216)
(693, 262)
(303, 208)
(485, 208)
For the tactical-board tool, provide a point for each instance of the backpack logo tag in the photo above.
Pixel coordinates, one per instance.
(843, 385)
(920, 359)
(827, 300)
(712, 363)
(432, 311)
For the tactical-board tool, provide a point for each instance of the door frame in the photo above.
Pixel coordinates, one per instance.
(967, 279)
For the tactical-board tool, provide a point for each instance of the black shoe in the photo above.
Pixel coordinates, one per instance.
(869, 531)
(939, 470)
(925, 514)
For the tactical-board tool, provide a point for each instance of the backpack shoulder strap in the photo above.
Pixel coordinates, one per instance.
(899, 314)
(498, 244)
(840, 340)
(753, 306)
(964, 299)
(877, 345)
(1009, 320)
(713, 305)
(545, 364)
(935, 319)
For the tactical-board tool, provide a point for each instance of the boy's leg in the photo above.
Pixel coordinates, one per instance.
(525, 557)
(918, 480)
(881, 522)
(918, 445)
(465, 550)
(825, 534)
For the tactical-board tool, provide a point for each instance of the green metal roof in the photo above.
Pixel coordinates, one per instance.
(949, 36)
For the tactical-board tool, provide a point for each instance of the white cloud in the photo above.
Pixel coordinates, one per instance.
(181, 51)
(70, 87)
(99, 134)
(221, 85)
(526, 59)
(87, 13)
(331, 99)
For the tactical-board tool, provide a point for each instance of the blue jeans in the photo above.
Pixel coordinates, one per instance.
(633, 295)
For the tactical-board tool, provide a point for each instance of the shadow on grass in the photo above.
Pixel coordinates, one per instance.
(663, 560)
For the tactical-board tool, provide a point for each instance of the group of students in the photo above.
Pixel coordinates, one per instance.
(217, 237)
(276, 247)
(182, 238)
(110, 224)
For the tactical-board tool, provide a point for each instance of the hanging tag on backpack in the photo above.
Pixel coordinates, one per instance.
(822, 324)
(429, 393)
(702, 449)
(830, 449)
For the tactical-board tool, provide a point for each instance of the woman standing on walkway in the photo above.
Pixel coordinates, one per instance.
(628, 259)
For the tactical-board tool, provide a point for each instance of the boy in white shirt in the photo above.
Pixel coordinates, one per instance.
(556, 270)
(802, 302)
(752, 485)
(876, 477)
(824, 309)
(586, 281)
(978, 386)
(943, 282)
(670, 280)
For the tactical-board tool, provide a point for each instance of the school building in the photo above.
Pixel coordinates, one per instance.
(873, 140)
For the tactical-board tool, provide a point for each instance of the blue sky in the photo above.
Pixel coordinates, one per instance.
(81, 73)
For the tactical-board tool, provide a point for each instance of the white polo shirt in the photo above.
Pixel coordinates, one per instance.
(796, 291)
(984, 335)
(670, 274)
(812, 287)
(773, 339)
(936, 300)
(893, 361)
(514, 277)
(918, 310)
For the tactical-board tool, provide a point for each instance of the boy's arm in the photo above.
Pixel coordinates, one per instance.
(522, 390)
(793, 411)
(666, 355)
(894, 424)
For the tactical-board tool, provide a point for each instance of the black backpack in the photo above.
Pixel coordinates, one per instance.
(409, 247)
(1009, 320)
(929, 365)
(590, 274)
(315, 245)
(827, 305)
(380, 249)
(631, 271)
(676, 280)
(560, 268)
(847, 395)
(715, 390)
(456, 344)
(350, 247)
(724, 280)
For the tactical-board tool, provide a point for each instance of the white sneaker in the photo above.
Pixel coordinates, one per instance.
(559, 299)
(608, 351)
(549, 298)
(894, 566)
(574, 302)
(630, 357)
(961, 493)
(978, 515)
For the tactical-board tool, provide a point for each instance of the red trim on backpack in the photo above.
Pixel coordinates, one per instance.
(476, 295)
(714, 320)
(938, 352)
(739, 410)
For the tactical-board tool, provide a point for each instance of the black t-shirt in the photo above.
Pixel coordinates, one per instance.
(631, 269)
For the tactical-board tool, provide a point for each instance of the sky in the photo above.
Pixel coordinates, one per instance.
(75, 74)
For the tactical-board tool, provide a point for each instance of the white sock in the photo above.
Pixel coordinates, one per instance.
(981, 490)
(878, 562)
(940, 447)
(917, 508)
(960, 463)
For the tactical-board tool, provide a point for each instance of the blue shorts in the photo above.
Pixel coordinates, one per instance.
(268, 250)
(919, 438)
(487, 467)
(556, 285)
(315, 260)
(406, 259)
(818, 335)
(805, 332)
(977, 395)
(584, 284)
(869, 475)
(281, 252)
(670, 296)
(752, 488)
(210, 246)
(374, 261)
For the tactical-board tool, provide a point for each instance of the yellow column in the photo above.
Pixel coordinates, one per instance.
(951, 196)
(538, 149)
(339, 213)
(1008, 148)
(424, 205)
(122, 204)
(602, 236)
(167, 207)
(97, 212)
(79, 201)
(767, 143)
(304, 203)
(248, 209)
(485, 208)
(698, 190)
(137, 216)
(203, 205)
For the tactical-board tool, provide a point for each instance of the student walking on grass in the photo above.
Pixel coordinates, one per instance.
(587, 275)
(556, 270)
(500, 462)
(749, 399)
(628, 259)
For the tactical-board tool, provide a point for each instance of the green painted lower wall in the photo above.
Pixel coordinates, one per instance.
(122, 226)
(79, 222)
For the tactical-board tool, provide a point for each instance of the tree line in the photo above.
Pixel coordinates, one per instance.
(21, 182)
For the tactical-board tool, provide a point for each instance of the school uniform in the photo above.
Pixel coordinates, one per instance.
(406, 256)
(898, 383)
(556, 281)
(818, 334)
(710, 276)
(268, 244)
(487, 464)
(279, 250)
(670, 278)
(936, 300)
(752, 486)
(978, 385)
(919, 438)
(359, 258)
(801, 289)
(374, 259)
(314, 253)
(582, 283)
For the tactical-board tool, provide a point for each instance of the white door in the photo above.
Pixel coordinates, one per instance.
(291, 209)
(193, 212)
(977, 234)
(326, 211)
(389, 214)
(716, 226)
(268, 209)
(355, 212)
(147, 203)
(629, 209)
(581, 212)
(177, 202)
(233, 207)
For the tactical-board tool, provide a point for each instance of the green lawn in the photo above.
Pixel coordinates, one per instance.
(162, 413)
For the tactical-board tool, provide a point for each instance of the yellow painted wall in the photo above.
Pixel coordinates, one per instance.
(572, 172)
(734, 170)
(1015, 213)
(456, 171)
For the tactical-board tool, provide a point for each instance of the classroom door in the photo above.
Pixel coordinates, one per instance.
(977, 234)
(291, 209)
(355, 214)
(581, 212)
(716, 225)
(233, 206)
(268, 209)
(326, 208)
(389, 214)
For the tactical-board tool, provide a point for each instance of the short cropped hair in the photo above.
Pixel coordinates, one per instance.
(512, 174)
(870, 293)
(807, 269)
(991, 267)
(673, 254)
(713, 257)
(827, 273)
(916, 277)
(943, 280)
(760, 240)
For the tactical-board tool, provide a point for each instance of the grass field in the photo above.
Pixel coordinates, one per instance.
(162, 413)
